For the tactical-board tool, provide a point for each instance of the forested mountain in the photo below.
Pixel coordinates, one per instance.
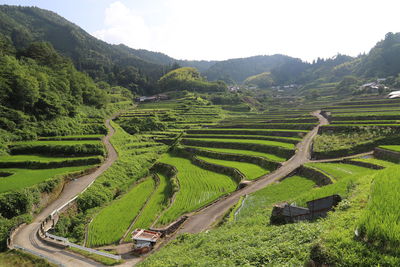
(237, 70)
(40, 88)
(118, 65)
(383, 60)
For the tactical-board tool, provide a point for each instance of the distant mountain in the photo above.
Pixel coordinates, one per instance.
(237, 70)
(116, 64)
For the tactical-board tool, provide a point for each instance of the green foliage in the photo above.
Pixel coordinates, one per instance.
(188, 79)
(18, 258)
(136, 125)
(342, 140)
(262, 80)
(348, 84)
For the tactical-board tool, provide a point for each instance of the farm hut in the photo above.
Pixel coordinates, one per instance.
(144, 240)
(319, 207)
(287, 213)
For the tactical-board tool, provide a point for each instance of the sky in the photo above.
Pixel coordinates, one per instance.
(223, 29)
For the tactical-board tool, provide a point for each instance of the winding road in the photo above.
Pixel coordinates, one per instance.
(26, 236)
(205, 218)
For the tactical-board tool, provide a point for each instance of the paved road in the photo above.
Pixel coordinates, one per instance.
(26, 237)
(204, 219)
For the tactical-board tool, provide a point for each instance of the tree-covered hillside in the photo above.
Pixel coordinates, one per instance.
(188, 78)
(115, 64)
(237, 70)
(41, 92)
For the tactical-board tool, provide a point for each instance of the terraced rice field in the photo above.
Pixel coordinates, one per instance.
(198, 187)
(157, 203)
(292, 140)
(339, 170)
(251, 171)
(37, 158)
(30, 169)
(120, 214)
(378, 162)
(243, 152)
(22, 178)
(391, 147)
(58, 143)
(247, 141)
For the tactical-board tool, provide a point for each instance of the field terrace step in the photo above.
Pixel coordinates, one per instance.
(268, 132)
(292, 140)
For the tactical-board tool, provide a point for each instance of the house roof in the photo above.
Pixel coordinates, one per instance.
(145, 235)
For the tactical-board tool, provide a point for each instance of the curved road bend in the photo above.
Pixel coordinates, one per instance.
(26, 236)
(204, 218)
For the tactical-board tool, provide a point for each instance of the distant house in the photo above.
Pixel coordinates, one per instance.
(394, 94)
(288, 213)
(152, 98)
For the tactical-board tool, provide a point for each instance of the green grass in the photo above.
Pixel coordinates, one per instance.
(38, 158)
(244, 152)
(20, 259)
(113, 221)
(247, 141)
(392, 147)
(379, 162)
(99, 258)
(287, 190)
(22, 178)
(58, 143)
(339, 170)
(250, 170)
(198, 187)
(157, 203)
(380, 223)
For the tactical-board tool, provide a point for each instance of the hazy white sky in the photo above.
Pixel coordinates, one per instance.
(221, 29)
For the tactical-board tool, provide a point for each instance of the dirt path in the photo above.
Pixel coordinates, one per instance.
(26, 237)
(204, 219)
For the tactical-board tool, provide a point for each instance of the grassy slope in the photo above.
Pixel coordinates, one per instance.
(20, 259)
(251, 171)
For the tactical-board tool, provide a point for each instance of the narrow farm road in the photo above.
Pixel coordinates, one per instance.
(204, 219)
(26, 237)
